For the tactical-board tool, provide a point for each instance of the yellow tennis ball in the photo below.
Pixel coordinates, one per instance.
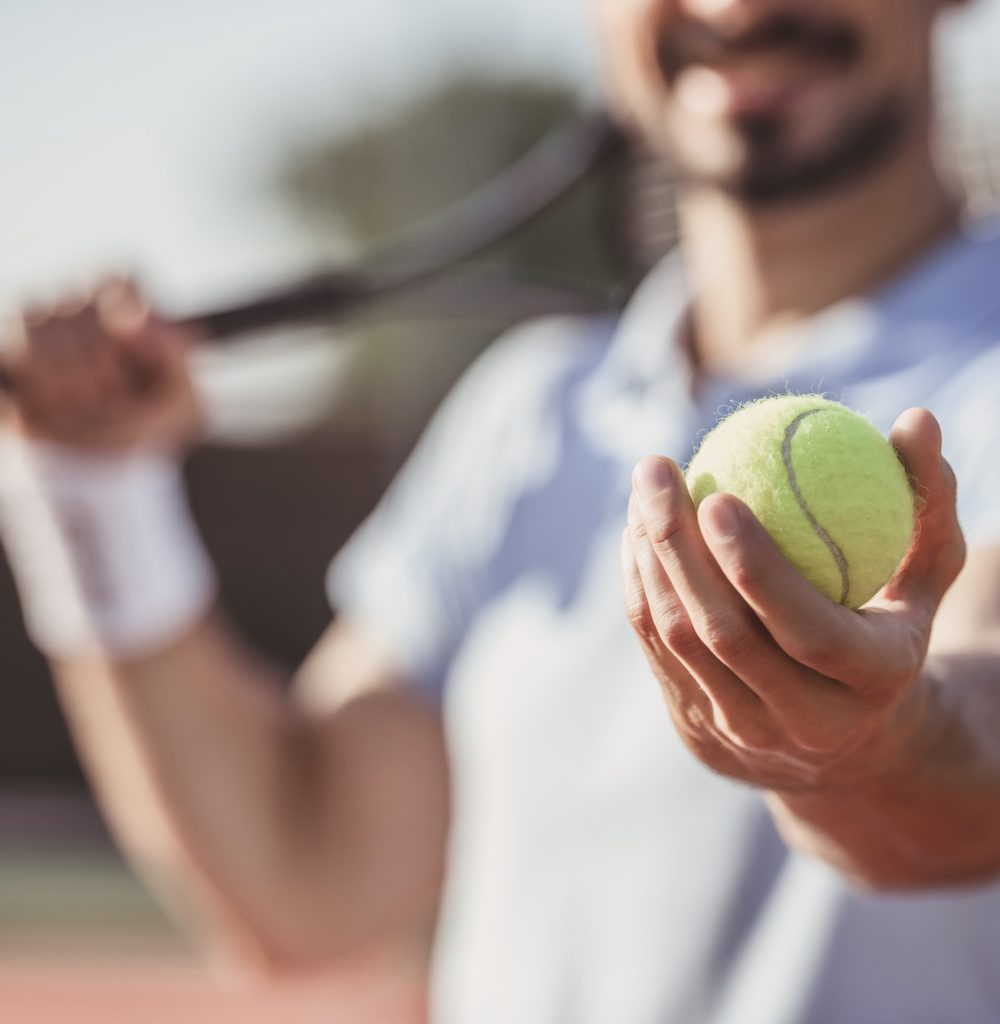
(824, 483)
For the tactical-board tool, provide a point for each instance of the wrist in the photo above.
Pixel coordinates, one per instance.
(103, 549)
(871, 820)
(892, 744)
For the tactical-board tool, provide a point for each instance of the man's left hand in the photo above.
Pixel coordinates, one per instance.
(766, 679)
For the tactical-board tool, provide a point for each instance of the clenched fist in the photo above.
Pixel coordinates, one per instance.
(102, 372)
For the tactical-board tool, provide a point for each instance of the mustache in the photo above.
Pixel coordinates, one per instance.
(694, 42)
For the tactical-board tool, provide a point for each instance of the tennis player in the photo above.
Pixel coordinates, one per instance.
(810, 832)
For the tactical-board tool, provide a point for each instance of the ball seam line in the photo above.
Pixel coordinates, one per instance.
(793, 481)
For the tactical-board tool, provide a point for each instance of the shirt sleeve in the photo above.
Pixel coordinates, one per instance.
(415, 572)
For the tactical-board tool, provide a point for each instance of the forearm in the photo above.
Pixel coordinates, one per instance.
(201, 769)
(932, 816)
(181, 729)
(289, 835)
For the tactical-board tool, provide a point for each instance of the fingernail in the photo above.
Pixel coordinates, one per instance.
(720, 519)
(651, 477)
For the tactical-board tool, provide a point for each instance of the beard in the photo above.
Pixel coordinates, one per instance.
(769, 171)
(769, 176)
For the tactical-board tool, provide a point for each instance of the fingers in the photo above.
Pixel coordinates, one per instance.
(62, 375)
(761, 703)
(938, 550)
(696, 709)
(722, 619)
(102, 370)
(754, 611)
(831, 640)
(734, 703)
(121, 308)
(719, 606)
(150, 350)
(12, 342)
(679, 687)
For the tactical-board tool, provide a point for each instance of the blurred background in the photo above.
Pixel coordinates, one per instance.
(215, 149)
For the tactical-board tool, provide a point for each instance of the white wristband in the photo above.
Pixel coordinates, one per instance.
(102, 547)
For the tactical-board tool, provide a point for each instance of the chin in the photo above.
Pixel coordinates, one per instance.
(753, 160)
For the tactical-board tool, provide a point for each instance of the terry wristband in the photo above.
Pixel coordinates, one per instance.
(102, 547)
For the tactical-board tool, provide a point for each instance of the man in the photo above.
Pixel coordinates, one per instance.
(602, 866)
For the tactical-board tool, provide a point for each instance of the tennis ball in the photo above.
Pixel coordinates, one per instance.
(824, 483)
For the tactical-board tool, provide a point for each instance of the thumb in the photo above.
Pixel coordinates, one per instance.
(937, 551)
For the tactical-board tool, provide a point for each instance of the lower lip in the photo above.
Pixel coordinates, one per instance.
(752, 88)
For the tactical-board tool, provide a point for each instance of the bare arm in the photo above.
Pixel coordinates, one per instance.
(934, 817)
(286, 830)
(876, 749)
(285, 835)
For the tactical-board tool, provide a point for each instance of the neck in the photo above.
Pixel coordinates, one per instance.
(757, 271)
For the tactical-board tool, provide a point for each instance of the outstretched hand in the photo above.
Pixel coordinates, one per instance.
(767, 680)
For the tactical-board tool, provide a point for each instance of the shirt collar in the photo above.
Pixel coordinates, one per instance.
(643, 399)
(951, 291)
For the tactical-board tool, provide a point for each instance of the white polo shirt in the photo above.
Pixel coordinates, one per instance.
(598, 874)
